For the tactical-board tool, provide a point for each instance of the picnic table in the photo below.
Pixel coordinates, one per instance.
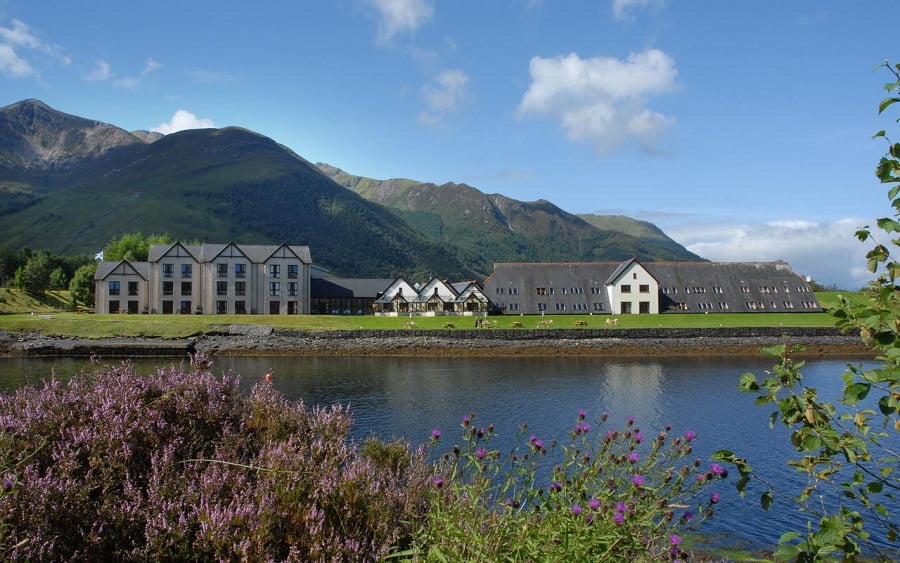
(580, 323)
(545, 324)
(449, 325)
(516, 324)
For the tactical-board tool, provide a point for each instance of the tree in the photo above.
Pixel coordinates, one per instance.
(82, 284)
(842, 443)
(35, 274)
(58, 279)
(132, 246)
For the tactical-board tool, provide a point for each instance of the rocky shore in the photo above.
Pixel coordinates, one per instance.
(264, 340)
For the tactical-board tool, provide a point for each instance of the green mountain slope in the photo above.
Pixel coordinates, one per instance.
(214, 185)
(492, 228)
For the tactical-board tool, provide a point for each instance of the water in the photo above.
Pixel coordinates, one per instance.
(408, 397)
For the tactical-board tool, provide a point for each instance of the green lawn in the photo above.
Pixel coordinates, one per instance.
(50, 318)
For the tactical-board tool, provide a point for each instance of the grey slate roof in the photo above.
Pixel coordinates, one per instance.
(347, 287)
(689, 287)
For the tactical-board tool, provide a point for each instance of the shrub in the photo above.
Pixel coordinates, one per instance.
(181, 465)
(614, 495)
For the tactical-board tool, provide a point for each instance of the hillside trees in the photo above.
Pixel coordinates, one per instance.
(134, 247)
(847, 446)
(82, 285)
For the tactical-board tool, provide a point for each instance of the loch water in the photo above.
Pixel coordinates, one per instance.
(409, 397)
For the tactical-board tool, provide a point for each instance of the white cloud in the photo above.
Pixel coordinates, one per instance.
(827, 251)
(19, 38)
(100, 72)
(602, 100)
(395, 16)
(624, 9)
(181, 120)
(11, 64)
(150, 66)
(446, 92)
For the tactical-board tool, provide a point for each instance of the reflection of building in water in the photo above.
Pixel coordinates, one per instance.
(633, 389)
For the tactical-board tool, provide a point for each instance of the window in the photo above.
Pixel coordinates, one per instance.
(626, 288)
(186, 270)
(598, 306)
(167, 307)
(499, 291)
(221, 307)
(185, 288)
(274, 270)
(222, 288)
(168, 288)
(274, 307)
(542, 291)
(240, 270)
(292, 289)
(293, 271)
(185, 308)
(552, 291)
(274, 289)
(634, 275)
(240, 308)
(168, 270)
(560, 306)
(626, 308)
(542, 306)
(513, 307)
(222, 270)
(514, 291)
(644, 288)
(113, 306)
(644, 307)
(132, 288)
(240, 288)
(114, 289)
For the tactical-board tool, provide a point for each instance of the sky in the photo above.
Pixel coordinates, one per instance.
(742, 129)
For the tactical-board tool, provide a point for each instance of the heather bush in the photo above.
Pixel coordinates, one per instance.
(603, 495)
(183, 465)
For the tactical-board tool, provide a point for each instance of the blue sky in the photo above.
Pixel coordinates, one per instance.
(743, 129)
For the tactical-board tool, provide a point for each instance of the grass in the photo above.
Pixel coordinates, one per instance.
(23, 313)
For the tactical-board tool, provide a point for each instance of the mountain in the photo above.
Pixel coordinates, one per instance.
(493, 228)
(70, 185)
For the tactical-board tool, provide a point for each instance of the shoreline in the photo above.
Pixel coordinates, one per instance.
(254, 340)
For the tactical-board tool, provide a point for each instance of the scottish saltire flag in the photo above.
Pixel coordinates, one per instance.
(99, 256)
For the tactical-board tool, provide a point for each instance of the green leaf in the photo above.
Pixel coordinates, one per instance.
(888, 225)
(874, 487)
(885, 103)
(856, 392)
(881, 133)
(766, 500)
(789, 536)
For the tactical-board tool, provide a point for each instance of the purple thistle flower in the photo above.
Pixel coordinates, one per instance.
(637, 480)
(480, 453)
(466, 420)
(621, 507)
(700, 477)
(537, 443)
(582, 414)
(594, 503)
(675, 540)
(633, 457)
(619, 517)
(437, 481)
(576, 509)
(716, 469)
(638, 437)
(714, 498)
(604, 416)
(435, 434)
(690, 435)
(629, 421)
(555, 487)
(687, 516)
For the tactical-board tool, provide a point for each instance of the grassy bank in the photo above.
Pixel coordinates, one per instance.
(49, 317)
